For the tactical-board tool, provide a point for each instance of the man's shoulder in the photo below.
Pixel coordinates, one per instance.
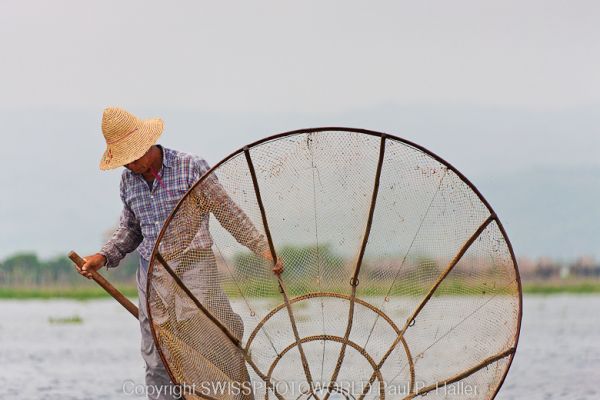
(180, 157)
(126, 175)
(127, 181)
(177, 154)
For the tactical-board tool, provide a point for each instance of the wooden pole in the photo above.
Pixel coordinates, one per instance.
(100, 280)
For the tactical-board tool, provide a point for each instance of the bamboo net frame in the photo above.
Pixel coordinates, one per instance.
(398, 273)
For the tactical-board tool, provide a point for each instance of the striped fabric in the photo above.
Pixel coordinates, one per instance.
(147, 206)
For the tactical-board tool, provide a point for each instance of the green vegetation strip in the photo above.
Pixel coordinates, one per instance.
(77, 293)
(557, 288)
(451, 289)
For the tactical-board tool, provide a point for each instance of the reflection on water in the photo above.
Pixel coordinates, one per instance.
(558, 356)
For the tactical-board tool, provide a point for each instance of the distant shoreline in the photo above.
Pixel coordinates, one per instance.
(554, 287)
(90, 293)
(82, 293)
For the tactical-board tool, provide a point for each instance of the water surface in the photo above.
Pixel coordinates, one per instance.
(558, 356)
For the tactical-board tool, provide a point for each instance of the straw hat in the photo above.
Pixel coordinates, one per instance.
(127, 137)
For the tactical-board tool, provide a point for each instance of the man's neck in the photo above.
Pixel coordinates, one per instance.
(156, 163)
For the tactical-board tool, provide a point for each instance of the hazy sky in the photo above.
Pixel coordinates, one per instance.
(311, 56)
(495, 87)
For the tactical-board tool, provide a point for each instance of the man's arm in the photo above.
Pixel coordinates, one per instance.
(227, 212)
(232, 217)
(235, 220)
(124, 240)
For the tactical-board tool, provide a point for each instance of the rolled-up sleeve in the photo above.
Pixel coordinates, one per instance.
(126, 238)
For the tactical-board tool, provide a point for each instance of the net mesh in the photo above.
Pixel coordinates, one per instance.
(398, 279)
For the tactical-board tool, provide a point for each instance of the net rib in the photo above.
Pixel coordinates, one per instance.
(337, 339)
(407, 253)
(187, 291)
(462, 375)
(218, 323)
(441, 277)
(252, 312)
(309, 140)
(354, 282)
(282, 287)
(188, 348)
(454, 327)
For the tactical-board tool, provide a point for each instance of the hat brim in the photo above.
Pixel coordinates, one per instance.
(133, 146)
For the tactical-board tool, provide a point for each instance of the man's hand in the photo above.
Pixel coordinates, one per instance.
(92, 264)
(278, 267)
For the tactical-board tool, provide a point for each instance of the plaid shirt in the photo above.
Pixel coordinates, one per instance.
(146, 207)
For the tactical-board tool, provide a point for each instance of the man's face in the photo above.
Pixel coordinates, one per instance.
(142, 164)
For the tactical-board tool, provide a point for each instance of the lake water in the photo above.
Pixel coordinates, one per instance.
(558, 356)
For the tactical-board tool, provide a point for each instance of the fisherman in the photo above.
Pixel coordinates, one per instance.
(152, 183)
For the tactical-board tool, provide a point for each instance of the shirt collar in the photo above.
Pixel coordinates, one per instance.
(167, 158)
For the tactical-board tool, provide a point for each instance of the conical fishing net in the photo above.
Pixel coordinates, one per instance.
(399, 281)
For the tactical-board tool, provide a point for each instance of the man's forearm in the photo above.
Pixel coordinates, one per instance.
(243, 230)
(122, 242)
(214, 198)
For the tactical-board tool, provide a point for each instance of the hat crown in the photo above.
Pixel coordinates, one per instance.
(118, 123)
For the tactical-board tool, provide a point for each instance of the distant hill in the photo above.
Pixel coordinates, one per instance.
(549, 212)
(56, 198)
